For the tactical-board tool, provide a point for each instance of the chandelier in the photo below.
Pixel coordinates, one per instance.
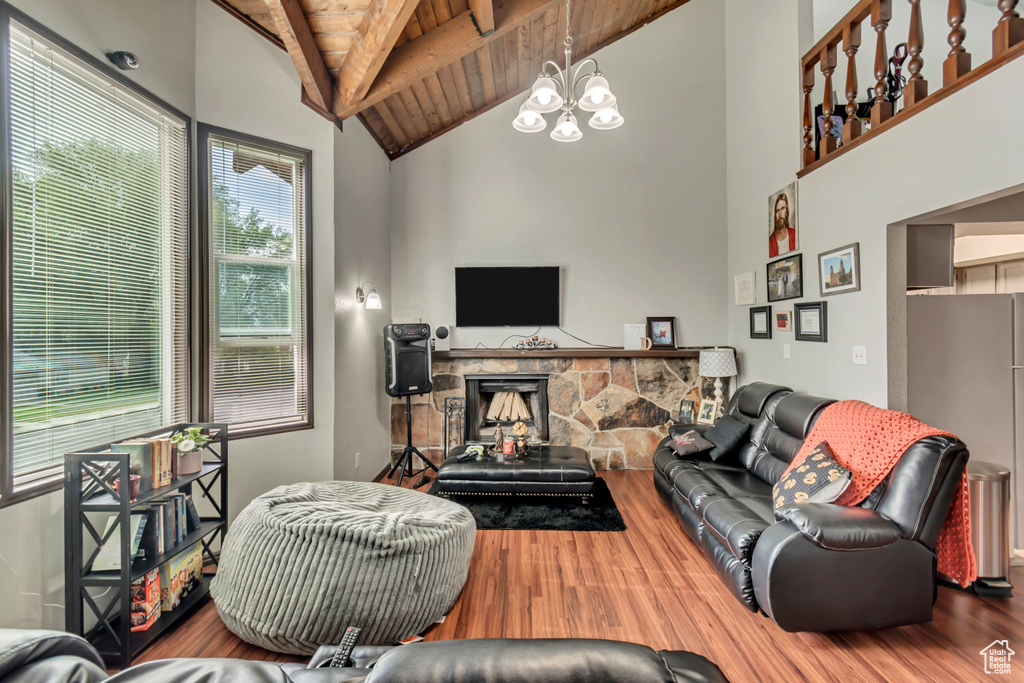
(558, 92)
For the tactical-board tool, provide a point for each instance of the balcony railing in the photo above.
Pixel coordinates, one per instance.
(821, 141)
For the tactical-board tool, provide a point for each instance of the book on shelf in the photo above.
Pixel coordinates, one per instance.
(180, 576)
(180, 516)
(109, 556)
(140, 461)
(149, 546)
(146, 600)
(194, 520)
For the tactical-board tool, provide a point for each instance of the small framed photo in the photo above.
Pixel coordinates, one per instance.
(785, 278)
(782, 221)
(839, 270)
(708, 412)
(662, 332)
(761, 322)
(784, 321)
(811, 321)
(743, 286)
(686, 412)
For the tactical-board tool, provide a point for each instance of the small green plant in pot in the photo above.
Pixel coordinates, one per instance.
(190, 443)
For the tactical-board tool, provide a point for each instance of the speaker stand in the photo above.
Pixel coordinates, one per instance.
(404, 464)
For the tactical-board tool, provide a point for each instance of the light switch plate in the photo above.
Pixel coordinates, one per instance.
(785, 350)
(860, 355)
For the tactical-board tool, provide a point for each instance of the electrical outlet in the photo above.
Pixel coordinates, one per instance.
(785, 350)
(860, 355)
(357, 461)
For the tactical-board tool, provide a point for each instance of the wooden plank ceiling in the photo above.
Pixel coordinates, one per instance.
(411, 70)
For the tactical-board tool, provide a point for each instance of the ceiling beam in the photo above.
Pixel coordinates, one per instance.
(297, 37)
(377, 35)
(483, 10)
(447, 43)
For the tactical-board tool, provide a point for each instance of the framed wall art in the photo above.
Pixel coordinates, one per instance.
(743, 285)
(782, 221)
(761, 322)
(784, 321)
(839, 270)
(662, 332)
(785, 278)
(811, 323)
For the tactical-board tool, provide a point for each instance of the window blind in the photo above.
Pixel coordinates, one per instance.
(258, 329)
(99, 270)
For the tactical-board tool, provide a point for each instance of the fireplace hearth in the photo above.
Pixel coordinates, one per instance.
(493, 400)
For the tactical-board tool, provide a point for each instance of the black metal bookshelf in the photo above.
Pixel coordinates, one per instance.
(90, 488)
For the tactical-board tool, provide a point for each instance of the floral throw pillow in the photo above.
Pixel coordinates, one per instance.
(820, 479)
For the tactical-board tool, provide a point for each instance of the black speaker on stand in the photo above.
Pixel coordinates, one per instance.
(407, 373)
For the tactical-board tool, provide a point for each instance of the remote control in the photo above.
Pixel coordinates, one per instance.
(468, 455)
(348, 641)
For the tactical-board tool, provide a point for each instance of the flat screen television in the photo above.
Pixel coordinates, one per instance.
(507, 296)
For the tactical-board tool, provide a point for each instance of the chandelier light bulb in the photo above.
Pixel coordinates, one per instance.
(567, 130)
(607, 118)
(596, 94)
(529, 121)
(544, 97)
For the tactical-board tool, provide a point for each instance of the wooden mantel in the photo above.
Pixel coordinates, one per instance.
(617, 352)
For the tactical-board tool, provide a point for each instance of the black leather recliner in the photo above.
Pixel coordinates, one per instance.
(56, 657)
(813, 567)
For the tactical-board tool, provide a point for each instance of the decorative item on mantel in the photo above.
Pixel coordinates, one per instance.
(717, 363)
(533, 343)
(189, 445)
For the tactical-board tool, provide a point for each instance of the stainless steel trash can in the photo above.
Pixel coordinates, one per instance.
(990, 525)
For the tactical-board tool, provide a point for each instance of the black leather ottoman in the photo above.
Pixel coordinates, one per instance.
(546, 471)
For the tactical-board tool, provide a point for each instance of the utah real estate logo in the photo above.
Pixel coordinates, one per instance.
(997, 657)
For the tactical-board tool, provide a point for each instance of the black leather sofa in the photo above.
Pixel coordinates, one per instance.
(56, 657)
(817, 566)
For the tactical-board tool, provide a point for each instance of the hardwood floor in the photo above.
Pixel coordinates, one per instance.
(650, 584)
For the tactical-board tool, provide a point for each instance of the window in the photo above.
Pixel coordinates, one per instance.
(94, 239)
(254, 218)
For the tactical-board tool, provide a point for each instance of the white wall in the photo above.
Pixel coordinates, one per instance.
(362, 429)
(918, 167)
(635, 216)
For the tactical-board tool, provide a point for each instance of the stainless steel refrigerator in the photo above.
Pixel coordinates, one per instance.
(965, 355)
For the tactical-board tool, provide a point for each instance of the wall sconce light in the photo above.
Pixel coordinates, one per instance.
(372, 299)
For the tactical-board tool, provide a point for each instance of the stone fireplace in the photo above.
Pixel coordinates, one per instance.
(486, 393)
(616, 405)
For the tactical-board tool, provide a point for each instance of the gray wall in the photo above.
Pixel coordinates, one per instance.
(635, 216)
(362, 252)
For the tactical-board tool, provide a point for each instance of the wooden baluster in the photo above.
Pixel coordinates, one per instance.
(958, 62)
(1010, 29)
(916, 88)
(828, 65)
(851, 42)
(809, 156)
(881, 14)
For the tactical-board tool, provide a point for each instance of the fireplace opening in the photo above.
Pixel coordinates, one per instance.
(493, 400)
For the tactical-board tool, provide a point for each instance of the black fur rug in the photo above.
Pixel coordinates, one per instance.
(544, 513)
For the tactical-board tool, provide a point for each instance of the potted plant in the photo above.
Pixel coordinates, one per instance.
(189, 444)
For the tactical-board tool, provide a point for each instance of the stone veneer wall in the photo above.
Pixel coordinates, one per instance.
(616, 408)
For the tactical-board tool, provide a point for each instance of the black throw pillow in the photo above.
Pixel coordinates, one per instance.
(728, 434)
(819, 479)
(690, 442)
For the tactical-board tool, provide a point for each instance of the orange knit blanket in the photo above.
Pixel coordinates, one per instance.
(869, 441)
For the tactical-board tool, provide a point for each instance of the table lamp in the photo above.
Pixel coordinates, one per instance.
(717, 363)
